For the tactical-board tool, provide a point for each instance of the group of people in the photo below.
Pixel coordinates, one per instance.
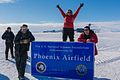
(24, 37)
(22, 42)
(68, 30)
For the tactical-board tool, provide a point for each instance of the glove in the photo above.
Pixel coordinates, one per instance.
(58, 6)
(26, 41)
(82, 4)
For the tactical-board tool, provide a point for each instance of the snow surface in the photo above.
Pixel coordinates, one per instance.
(107, 63)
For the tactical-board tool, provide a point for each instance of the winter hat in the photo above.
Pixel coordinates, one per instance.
(24, 25)
(8, 27)
(69, 10)
(87, 27)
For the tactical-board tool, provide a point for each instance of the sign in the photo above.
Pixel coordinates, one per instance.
(71, 60)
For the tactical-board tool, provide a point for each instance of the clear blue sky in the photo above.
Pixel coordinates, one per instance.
(36, 11)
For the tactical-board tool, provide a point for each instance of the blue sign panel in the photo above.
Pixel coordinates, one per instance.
(71, 60)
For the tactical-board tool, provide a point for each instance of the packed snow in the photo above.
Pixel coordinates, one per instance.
(107, 63)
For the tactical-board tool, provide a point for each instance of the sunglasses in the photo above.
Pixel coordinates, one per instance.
(86, 29)
(69, 12)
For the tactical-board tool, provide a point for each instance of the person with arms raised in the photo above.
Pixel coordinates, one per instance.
(69, 17)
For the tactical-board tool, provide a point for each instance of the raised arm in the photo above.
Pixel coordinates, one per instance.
(4, 35)
(77, 11)
(63, 14)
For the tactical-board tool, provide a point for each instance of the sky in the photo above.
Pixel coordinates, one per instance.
(42, 11)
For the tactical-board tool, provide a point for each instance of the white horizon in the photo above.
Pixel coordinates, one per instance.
(59, 23)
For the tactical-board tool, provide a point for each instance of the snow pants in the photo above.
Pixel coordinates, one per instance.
(21, 59)
(9, 46)
(68, 32)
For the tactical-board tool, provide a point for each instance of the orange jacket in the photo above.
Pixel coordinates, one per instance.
(93, 38)
(69, 20)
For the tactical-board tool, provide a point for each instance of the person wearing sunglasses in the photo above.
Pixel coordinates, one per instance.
(69, 18)
(89, 36)
(22, 44)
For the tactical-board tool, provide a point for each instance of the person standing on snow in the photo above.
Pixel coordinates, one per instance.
(89, 36)
(8, 36)
(22, 43)
(69, 17)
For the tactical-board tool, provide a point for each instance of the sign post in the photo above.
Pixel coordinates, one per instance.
(71, 60)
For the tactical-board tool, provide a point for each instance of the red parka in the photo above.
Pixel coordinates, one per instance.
(93, 38)
(69, 20)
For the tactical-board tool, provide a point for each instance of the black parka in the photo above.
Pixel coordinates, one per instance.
(8, 36)
(22, 36)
